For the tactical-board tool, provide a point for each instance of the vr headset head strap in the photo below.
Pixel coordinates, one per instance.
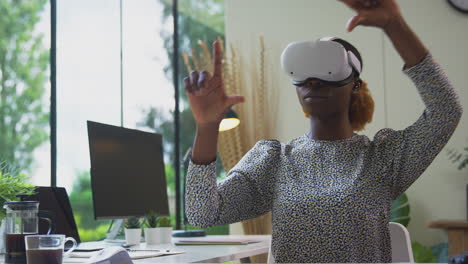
(352, 58)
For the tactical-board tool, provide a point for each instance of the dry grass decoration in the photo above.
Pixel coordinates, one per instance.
(255, 113)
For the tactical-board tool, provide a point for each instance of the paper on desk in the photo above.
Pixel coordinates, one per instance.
(81, 257)
(82, 254)
(140, 254)
(74, 260)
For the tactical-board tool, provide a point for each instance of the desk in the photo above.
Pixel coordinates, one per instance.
(215, 253)
(209, 253)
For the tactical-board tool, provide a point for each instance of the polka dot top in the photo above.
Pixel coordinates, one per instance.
(330, 200)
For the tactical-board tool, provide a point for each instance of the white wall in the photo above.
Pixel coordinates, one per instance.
(440, 192)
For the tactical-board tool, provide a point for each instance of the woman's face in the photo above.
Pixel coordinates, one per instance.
(323, 100)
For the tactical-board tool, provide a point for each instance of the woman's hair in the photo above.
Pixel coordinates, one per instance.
(361, 107)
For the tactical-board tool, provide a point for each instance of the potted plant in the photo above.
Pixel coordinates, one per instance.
(459, 158)
(151, 230)
(132, 230)
(165, 230)
(12, 184)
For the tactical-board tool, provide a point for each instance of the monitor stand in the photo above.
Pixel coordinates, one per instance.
(110, 240)
(114, 230)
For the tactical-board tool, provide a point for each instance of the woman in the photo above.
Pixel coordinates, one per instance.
(330, 190)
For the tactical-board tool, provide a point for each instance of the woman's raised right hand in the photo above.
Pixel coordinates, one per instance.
(206, 94)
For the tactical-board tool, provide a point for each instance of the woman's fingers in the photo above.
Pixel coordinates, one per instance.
(188, 86)
(194, 80)
(199, 84)
(204, 84)
(217, 61)
(372, 3)
(375, 13)
(202, 80)
(353, 4)
(354, 22)
(368, 3)
(234, 99)
(357, 5)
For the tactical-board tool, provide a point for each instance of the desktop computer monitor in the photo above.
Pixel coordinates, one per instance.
(127, 172)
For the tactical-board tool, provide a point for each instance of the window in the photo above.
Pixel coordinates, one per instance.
(89, 81)
(25, 88)
(89, 88)
(148, 101)
(198, 20)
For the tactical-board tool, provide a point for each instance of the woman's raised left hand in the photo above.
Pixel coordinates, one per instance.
(374, 13)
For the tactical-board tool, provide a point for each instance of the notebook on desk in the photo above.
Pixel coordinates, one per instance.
(214, 241)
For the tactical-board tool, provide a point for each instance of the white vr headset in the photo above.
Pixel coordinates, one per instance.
(323, 59)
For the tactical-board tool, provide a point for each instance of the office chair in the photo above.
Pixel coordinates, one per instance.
(401, 243)
(402, 251)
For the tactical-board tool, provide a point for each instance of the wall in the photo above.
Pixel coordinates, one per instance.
(440, 192)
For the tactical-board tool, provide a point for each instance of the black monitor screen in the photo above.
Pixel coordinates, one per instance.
(127, 172)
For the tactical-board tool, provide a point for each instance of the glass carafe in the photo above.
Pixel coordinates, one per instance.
(21, 220)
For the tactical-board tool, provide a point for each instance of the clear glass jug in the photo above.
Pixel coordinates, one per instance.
(22, 219)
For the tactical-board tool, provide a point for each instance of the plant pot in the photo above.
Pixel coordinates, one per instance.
(165, 234)
(132, 236)
(152, 236)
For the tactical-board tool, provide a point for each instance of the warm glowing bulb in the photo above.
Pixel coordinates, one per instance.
(228, 123)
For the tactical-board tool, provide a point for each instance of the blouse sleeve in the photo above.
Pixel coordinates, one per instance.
(408, 152)
(246, 192)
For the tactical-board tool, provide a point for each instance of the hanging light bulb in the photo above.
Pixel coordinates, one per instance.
(230, 121)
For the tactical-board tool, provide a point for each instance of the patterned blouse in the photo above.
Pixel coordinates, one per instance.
(330, 200)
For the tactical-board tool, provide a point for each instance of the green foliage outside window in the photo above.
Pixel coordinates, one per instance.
(198, 20)
(81, 200)
(24, 61)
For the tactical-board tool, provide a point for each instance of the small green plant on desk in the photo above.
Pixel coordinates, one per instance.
(165, 229)
(152, 234)
(133, 222)
(164, 221)
(133, 230)
(151, 220)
